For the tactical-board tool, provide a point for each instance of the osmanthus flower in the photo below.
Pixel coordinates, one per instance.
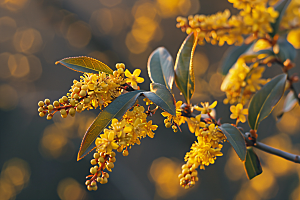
(106, 143)
(206, 108)
(150, 128)
(238, 112)
(195, 124)
(134, 78)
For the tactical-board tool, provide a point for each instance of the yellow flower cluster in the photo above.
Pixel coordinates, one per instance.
(91, 91)
(207, 147)
(126, 132)
(172, 120)
(291, 18)
(203, 152)
(242, 81)
(119, 135)
(254, 17)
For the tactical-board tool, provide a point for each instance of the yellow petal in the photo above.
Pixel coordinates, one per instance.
(202, 124)
(232, 109)
(245, 112)
(199, 108)
(128, 74)
(233, 116)
(136, 72)
(198, 118)
(114, 145)
(111, 135)
(213, 104)
(242, 118)
(139, 79)
(239, 107)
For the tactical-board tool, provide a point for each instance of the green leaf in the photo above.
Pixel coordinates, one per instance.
(235, 138)
(85, 64)
(280, 7)
(184, 72)
(231, 56)
(162, 97)
(286, 50)
(161, 68)
(114, 110)
(263, 102)
(252, 164)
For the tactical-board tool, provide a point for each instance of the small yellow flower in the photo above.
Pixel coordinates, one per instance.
(238, 112)
(134, 78)
(106, 142)
(195, 124)
(206, 108)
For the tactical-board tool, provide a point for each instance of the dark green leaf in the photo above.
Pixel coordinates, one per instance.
(184, 72)
(252, 164)
(263, 102)
(236, 139)
(114, 110)
(231, 56)
(280, 7)
(162, 97)
(161, 68)
(286, 50)
(85, 64)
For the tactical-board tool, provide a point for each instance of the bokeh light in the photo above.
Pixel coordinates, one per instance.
(70, 189)
(164, 172)
(14, 177)
(9, 97)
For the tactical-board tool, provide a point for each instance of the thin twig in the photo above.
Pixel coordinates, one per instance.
(263, 147)
(288, 156)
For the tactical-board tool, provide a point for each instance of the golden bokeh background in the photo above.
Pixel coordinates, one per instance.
(38, 157)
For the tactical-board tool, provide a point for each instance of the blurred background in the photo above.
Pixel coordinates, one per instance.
(38, 157)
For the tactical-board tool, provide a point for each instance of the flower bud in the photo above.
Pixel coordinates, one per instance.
(96, 155)
(72, 112)
(87, 182)
(47, 101)
(76, 90)
(110, 165)
(93, 162)
(41, 114)
(125, 153)
(65, 99)
(93, 183)
(41, 103)
(63, 112)
(49, 116)
(82, 93)
(72, 102)
(78, 84)
(56, 104)
(50, 107)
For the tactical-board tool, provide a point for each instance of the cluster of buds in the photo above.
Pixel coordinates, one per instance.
(101, 161)
(91, 91)
(188, 176)
(64, 105)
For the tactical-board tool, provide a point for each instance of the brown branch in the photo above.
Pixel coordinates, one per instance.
(250, 141)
